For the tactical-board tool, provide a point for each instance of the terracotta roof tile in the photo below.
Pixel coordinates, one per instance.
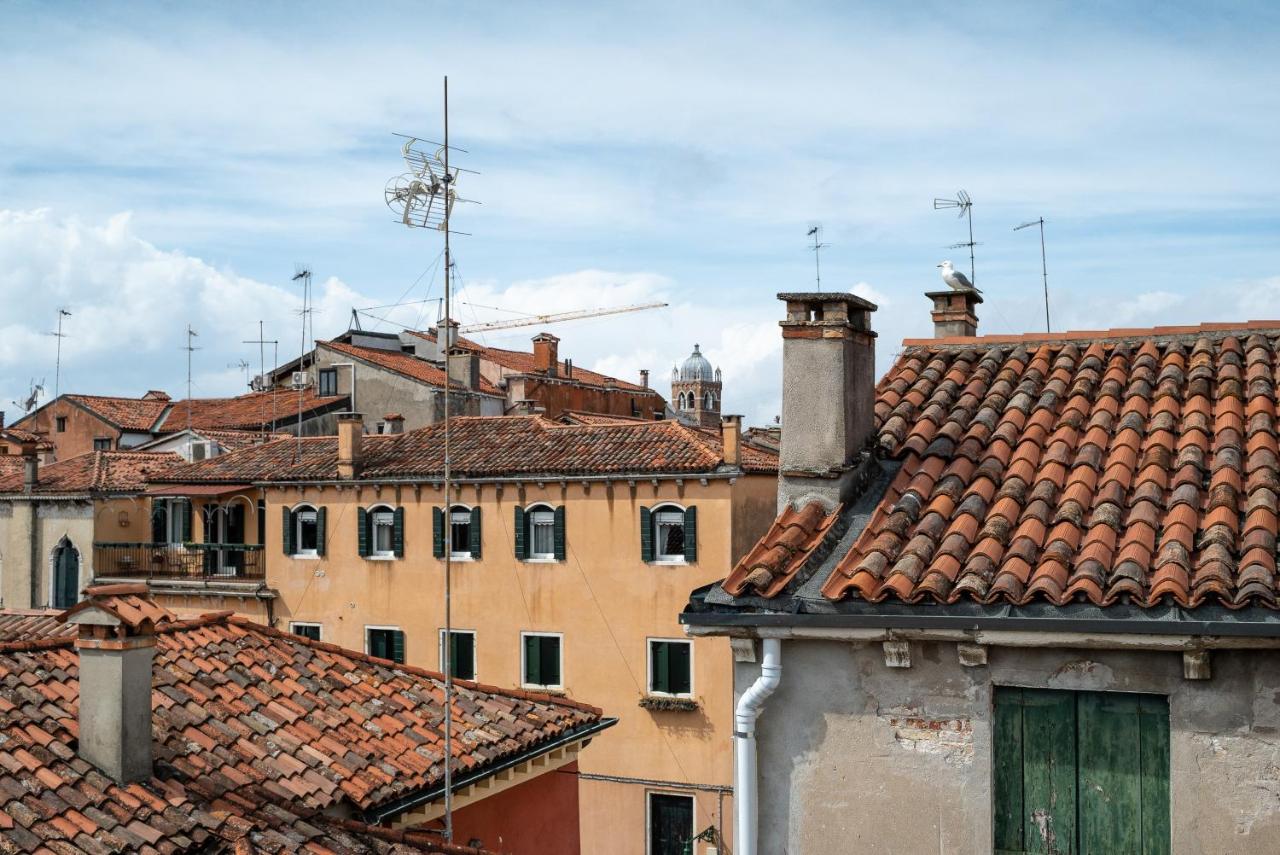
(406, 365)
(95, 472)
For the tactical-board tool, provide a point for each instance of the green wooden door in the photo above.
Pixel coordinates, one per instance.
(1080, 773)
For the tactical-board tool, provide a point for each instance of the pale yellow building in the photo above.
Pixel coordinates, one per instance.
(574, 548)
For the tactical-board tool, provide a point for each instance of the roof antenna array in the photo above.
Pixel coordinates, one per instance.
(815, 232)
(302, 273)
(1044, 265)
(424, 197)
(964, 203)
(28, 403)
(57, 364)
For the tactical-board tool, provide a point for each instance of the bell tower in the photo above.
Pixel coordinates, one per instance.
(695, 390)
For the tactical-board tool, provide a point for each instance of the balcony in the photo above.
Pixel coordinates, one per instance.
(196, 562)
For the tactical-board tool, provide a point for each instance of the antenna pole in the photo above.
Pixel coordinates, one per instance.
(448, 507)
(973, 275)
(816, 234)
(1044, 269)
(190, 349)
(57, 364)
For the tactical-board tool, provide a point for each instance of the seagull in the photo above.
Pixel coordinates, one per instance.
(956, 279)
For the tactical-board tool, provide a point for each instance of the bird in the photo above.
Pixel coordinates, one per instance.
(957, 280)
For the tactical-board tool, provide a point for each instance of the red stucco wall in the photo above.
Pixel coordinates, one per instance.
(538, 817)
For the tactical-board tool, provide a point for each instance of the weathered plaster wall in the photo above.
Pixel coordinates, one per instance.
(29, 531)
(859, 757)
(82, 428)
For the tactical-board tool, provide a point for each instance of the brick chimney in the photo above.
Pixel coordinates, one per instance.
(644, 378)
(394, 423)
(828, 395)
(464, 368)
(731, 437)
(954, 313)
(116, 644)
(546, 355)
(350, 440)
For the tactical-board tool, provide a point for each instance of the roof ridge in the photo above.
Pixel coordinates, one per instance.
(1211, 328)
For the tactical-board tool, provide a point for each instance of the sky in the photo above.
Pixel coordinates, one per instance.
(168, 165)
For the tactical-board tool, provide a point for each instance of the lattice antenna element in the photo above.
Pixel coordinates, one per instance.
(815, 232)
(191, 348)
(424, 196)
(1044, 265)
(964, 204)
(28, 403)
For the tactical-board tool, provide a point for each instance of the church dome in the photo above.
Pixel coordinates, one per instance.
(696, 367)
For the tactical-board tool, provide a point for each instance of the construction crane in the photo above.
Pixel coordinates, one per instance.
(557, 317)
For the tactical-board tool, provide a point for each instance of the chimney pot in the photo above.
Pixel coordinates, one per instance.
(731, 436)
(394, 422)
(546, 358)
(350, 442)
(30, 466)
(954, 313)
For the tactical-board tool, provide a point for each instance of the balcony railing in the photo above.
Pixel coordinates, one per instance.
(178, 561)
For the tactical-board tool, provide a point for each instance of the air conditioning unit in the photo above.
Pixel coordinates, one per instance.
(201, 450)
(259, 383)
(300, 380)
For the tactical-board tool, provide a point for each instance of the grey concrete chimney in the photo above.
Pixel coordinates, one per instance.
(115, 678)
(464, 368)
(954, 313)
(30, 466)
(828, 395)
(644, 378)
(394, 423)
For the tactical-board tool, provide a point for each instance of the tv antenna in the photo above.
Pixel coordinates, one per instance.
(192, 335)
(1044, 265)
(260, 383)
(302, 273)
(57, 363)
(29, 403)
(964, 203)
(423, 198)
(815, 232)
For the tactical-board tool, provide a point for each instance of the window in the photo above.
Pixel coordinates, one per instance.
(304, 531)
(460, 533)
(669, 533)
(307, 532)
(385, 643)
(262, 521)
(170, 521)
(1091, 766)
(541, 660)
(464, 532)
(328, 384)
(306, 630)
(670, 667)
(670, 824)
(380, 532)
(540, 533)
(102, 443)
(462, 660)
(61, 422)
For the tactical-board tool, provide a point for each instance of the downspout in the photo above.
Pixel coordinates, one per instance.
(750, 705)
(352, 366)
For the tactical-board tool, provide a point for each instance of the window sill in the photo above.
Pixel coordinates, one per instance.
(466, 557)
(306, 556)
(558, 691)
(669, 703)
(668, 562)
(387, 557)
(550, 560)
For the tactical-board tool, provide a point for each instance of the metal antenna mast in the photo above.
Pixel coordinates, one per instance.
(303, 273)
(1044, 265)
(259, 383)
(190, 349)
(965, 204)
(57, 365)
(815, 232)
(424, 198)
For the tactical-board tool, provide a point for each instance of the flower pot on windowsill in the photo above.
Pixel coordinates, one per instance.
(659, 703)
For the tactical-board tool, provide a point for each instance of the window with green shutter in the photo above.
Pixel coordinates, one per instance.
(670, 667)
(397, 533)
(646, 534)
(1080, 773)
(322, 515)
(542, 662)
(437, 532)
(668, 533)
(385, 643)
(462, 654)
(521, 535)
(286, 532)
(560, 546)
(362, 532)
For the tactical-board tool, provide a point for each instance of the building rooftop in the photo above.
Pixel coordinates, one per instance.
(1128, 466)
(260, 739)
(406, 365)
(92, 472)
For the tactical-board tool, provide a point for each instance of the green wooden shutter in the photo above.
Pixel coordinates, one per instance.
(321, 515)
(362, 532)
(1006, 737)
(532, 660)
(646, 535)
(522, 534)
(286, 532)
(397, 533)
(474, 545)
(691, 535)
(1049, 771)
(397, 645)
(1153, 718)
(551, 658)
(680, 677)
(559, 534)
(462, 656)
(437, 532)
(661, 666)
(186, 521)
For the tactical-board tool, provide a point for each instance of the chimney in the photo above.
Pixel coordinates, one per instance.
(546, 358)
(464, 368)
(30, 466)
(644, 378)
(116, 642)
(731, 436)
(350, 439)
(568, 368)
(953, 313)
(394, 422)
(828, 395)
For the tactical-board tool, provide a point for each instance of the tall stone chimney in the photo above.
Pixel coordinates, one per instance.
(954, 313)
(116, 644)
(464, 368)
(731, 437)
(546, 357)
(828, 395)
(350, 441)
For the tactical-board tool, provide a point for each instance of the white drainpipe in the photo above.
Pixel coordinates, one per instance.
(745, 822)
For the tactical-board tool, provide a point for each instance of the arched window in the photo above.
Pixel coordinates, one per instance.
(709, 401)
(381, 532)
(544, 532)
(668, 533)
(66, 575)
(304, 531)
(464, 532)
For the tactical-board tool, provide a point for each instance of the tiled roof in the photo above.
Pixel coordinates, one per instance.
(248, 412)
(29, 624)
(19, 435)
(257, 735)
(486, 447)
(1127, 466)
(576, 417)
(95, 472)
(132, 414)
(405, 364)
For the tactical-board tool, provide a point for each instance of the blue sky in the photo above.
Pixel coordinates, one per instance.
(164, 163)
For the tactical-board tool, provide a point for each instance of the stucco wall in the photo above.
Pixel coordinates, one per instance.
(29, 532)
(859, 757)
(83, 427)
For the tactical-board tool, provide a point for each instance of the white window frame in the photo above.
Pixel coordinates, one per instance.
(529, 512)
(648, 679)
(456, 554)
(660, 557)
(648, 814)
(375, 553)
(173, 520)
(369, 626)
(524, 650)
(294, 624)
(297, 511)
(475, 671)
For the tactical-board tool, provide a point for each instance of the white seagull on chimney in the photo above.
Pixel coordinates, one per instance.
(956, 279)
